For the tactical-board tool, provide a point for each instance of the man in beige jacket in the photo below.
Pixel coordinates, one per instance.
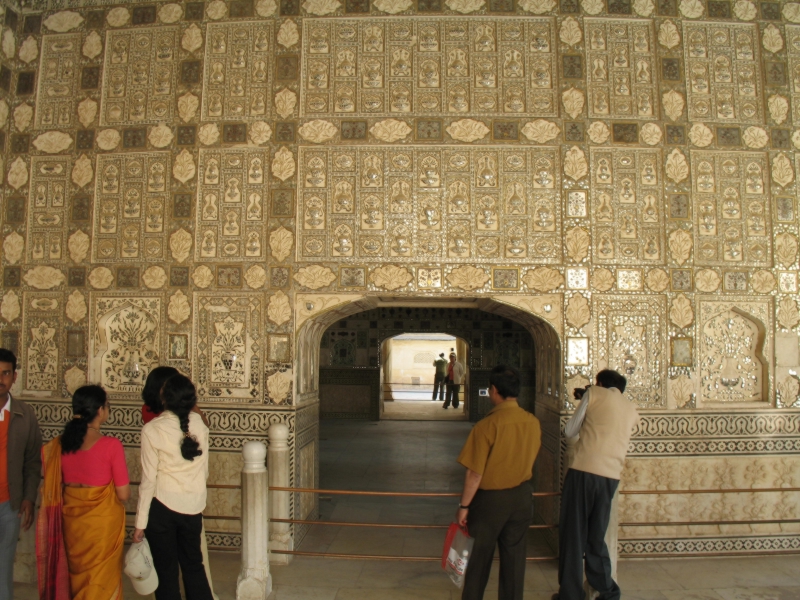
(605, 421)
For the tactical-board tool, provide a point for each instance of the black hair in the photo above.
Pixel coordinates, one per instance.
(179, 396)
(9, 357)
(608, 378)
(151, 392)
(505, 379)
(86, 402)
(441, 354)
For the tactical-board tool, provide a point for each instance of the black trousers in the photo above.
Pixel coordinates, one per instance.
(585, 511)
(174, 540)
(452, 394)
(498, 518)
(438, 386)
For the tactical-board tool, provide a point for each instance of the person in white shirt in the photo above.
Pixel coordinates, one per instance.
(172, 493)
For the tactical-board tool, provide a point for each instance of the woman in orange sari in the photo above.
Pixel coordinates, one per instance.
(85, 483)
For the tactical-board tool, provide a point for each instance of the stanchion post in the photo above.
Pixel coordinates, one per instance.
(280, 537)
(255, 581)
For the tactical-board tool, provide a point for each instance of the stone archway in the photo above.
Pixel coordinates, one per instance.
(540, 315)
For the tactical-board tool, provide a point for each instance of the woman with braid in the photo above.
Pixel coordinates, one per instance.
(81, 525)
(172, 494)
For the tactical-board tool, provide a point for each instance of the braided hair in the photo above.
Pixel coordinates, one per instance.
(86, 402)
(179, 397)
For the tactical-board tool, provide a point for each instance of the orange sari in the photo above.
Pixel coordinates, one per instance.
(94, 533)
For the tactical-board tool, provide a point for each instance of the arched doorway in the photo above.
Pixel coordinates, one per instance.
(539, 316)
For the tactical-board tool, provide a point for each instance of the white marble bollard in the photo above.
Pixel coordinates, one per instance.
(280, 537)
(254, 582)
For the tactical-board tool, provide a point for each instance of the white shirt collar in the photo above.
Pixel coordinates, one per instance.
(6, 408)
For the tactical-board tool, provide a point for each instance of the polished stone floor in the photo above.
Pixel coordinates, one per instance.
(420, 456)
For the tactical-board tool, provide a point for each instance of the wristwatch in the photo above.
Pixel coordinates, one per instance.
(461, 506)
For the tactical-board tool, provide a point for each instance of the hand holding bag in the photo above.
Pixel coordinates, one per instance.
(455, 556)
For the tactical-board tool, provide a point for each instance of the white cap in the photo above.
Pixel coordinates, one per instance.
(140, 568)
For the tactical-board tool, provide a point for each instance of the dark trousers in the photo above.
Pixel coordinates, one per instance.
(585, 511)
(452, 394)
(498, 518)
(174, 540)
(438, 386)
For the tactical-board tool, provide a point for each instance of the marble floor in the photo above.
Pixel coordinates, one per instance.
(416, 410)
(420, 456)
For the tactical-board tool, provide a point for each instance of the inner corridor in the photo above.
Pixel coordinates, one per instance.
(420, 456)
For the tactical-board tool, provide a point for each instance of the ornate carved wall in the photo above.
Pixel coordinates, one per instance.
(199, 183)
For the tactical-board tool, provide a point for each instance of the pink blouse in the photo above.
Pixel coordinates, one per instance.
(98, 466)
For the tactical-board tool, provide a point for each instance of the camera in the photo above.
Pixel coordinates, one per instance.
(483, 392)
(578, 393)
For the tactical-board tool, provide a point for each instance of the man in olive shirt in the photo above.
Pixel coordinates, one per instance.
(496, 503)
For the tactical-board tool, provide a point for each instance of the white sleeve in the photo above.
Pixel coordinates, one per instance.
(573, 426)
(147, 486)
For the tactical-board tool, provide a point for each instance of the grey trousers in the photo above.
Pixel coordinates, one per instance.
(9, 535)
(585, 511)
(498, 518)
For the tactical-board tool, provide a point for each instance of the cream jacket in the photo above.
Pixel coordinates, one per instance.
(177, 483)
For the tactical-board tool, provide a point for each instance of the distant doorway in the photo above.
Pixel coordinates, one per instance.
(408, 377)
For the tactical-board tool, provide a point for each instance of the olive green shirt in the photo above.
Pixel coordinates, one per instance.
(502, 447)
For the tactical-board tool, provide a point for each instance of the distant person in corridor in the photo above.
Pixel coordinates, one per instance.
(496, 503)
(455, 377)
(605, 421)
(440, 377)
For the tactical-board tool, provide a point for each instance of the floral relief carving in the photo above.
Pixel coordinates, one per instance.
(744, 10)
(391, 277)
(700, 135)
(178, 309)
(160, 136)
(288, 34)
(680, 245)
(468, 277)
(598, 132)
(390, 130)
(18, 173)
(602, 280)
(543, 279)
(657, 280)
(681, 313)
(266, 8)
(682, 390)
(592, 7)
(63, 21)
(394, 7)
(786, 249)
(460, 6)
(573, 100)
(788, 314)
(691, 9)
(117, 17)
(279, 385)
(44, 278)
(260, 133)
(677, 168)
(87, 111)
(208, 134)
(673, 104)
(771, 39)
(76, 307)
(575, 165)
(180, 244)
(315, 277)
(321, 8)
(101, 278)
(755, 137)
(651, 134)
(578, 312)
(577, 243)
(570, 32)
(23, 115)
(782, 171)
(279, 311)
(82, 171)
(183, 170)
(13, 246)
(778, 108)
(255, 277)
(644, 8)
(467, 130)
(791, 12)
(78, 246)
(217, 10)
(108, 139)
(762, 282)
(170, 13)
(92, 45)
(280, 242)
(318, 131)
(285, 101)
(202, 277)
(154, 277)
(187, 106)
(707, 280)
(668, 35)
(3, 112)
(10, 308)
(283, 165)
(29, 50)
(537, 7)
(192, 38)
(540, 131)
(74, 378)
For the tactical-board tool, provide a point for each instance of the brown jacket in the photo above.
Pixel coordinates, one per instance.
(24, 454)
